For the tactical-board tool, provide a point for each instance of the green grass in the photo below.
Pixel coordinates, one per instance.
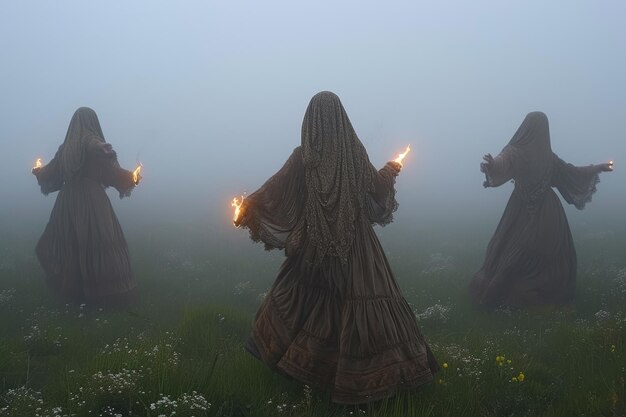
(198, 300)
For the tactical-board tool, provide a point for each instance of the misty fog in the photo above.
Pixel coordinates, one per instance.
(210, 96)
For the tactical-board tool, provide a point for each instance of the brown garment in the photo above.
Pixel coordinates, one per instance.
(531, 257)
(332, 320)
(82, 250)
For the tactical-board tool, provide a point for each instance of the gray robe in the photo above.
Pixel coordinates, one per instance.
(83, 250)
(531, 259)
(335, 317)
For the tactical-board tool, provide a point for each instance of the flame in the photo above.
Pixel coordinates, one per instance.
(236, 203)
(611, 164)
(400, 157)
(136, 173)
(38, 163)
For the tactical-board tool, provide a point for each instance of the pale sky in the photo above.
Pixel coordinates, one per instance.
(210, 95)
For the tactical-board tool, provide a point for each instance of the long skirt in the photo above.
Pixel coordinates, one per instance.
(344, 327)
(530, 259)
(83, 250)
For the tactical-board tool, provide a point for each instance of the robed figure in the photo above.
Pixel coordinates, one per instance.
(83, 251)
(335, 316)
(531, 258)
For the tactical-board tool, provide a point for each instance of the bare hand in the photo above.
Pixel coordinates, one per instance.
(488, 162)
(35, 171)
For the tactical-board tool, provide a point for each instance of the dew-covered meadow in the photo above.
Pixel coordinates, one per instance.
(179, 351)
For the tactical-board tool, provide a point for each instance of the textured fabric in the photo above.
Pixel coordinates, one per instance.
(274, 213)
(84, 128)
(338, 175)
(83, 250)
(531, 257)
(339, 323)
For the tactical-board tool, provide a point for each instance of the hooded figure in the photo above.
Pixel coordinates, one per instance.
(335, 317)
(82, 250)
(531, 258)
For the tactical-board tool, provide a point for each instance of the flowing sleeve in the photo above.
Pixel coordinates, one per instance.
(501, 170)
(49, 177)
(576, 184)
(381, 201)
(273, 212)
(119, 178)
(112, 175)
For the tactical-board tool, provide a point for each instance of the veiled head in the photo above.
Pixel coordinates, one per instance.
(338, 175)
(325, 129)
(83, 128)
(84, 123)
(534, 131)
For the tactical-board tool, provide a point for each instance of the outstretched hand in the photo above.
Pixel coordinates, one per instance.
(242, 211)
(395, 167)
(608, 167)
(35, 171)
(488, 162)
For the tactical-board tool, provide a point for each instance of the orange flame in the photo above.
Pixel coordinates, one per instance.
(236, 203)
(136, 173)
(400, 157)
(38, 163)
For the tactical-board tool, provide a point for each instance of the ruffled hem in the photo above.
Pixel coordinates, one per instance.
(258, 234)
(591, 190)
(368, 373)
(406, 371)
(389, 205)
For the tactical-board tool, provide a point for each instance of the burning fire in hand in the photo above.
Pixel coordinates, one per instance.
(236, 203)
(136, 174)
(38, 164)
(400, 157)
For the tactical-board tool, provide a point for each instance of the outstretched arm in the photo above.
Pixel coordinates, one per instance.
(577, 184)
(381, 202)
(500, 169)
(117, 177)
(272, 212)
(49, 177)
(113, 175)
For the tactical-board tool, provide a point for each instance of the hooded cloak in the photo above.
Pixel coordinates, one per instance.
(531, 257)
(332, 167)
(83, 250)
(335, 317)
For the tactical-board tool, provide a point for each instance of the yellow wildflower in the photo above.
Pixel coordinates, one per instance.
(521, 377)
(445, 365)
(514, 379)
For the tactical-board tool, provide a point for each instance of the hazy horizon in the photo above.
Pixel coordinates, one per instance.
(210, 97)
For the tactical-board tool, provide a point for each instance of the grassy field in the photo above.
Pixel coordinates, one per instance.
(179, 351)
